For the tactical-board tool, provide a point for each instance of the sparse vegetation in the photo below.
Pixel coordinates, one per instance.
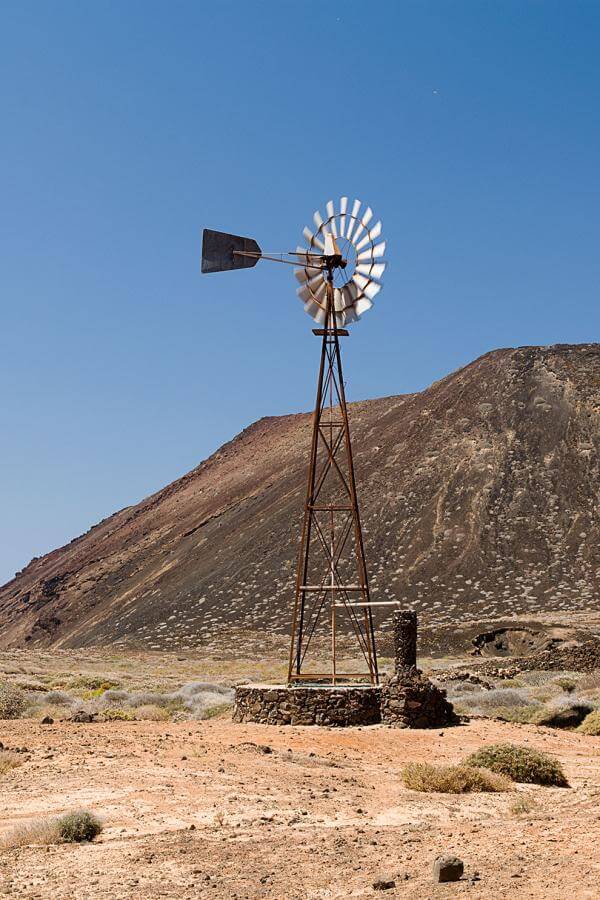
(74, 827)
(220, 709)
(152, 713)
(520, 764)
(460, 779)
(79, 826)
(13, 701)
(567, 684)
(522, 806)
(591, 724)
(116, 714)
(8, 761)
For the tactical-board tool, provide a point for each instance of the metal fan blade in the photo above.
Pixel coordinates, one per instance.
(338, 299)
(353, 218)
(371, 270)
(312, 239)
(331, 218)
(318, 219)
(343, 209)
(372, 252)
(307, 276)
(371, 235)
(362, 306)
(365, 219)
(314, 290)
(368, 288)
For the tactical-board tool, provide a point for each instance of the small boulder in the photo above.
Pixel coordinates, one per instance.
(82, 716)
(384, 884)
(47, 720)
(448, 868)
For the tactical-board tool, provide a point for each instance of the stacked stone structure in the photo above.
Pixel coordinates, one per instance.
(407, 699)
(316, 705)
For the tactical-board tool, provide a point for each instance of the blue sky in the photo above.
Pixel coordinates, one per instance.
(471, 128)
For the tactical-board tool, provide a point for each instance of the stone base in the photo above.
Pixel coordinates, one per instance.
(410, 700)
(274, 704)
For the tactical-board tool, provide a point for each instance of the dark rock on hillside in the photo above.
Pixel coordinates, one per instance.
(479, 497)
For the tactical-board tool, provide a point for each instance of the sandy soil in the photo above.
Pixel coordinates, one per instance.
(198, 809)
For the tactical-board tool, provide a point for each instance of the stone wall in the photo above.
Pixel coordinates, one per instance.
(319, 705)
(410, 700)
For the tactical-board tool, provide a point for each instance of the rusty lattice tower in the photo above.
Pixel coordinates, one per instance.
(340, 273)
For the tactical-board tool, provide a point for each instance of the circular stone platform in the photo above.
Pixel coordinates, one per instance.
(280, 704)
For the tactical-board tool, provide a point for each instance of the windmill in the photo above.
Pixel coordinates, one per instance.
(339, 271)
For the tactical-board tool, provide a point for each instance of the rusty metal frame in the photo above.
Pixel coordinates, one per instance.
(342, 518)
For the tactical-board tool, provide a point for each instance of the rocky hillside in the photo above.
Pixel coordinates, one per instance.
(480, 499)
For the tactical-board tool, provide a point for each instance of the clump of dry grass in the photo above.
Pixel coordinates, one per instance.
(459, 779)
(74, 827)
(591, 724)
(152, 713)
(520, 764)
(522, 806)
(8, 761)
(116, 714)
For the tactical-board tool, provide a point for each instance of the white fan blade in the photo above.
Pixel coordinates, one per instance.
(318, 219)
(365, 219)
(331, 218)
(343, 208)
(368, 288)
(362, 306)
(312, 239)
(338, 299)
(313, 290)
(305, 276)
(353, 218)
(371, 270)
(371, 235)
(329, 244)
(372, 252)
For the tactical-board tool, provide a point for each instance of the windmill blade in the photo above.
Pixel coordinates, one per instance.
(367, 287)
(371, 235)
(362, 306)
(343, 209)
(312, 291)
(372, 252)
(365, 219)
(315, 312)
(318, 219)
(353, 218)
(312, 239)
(372, 270)
(331, 218)
(304, 277)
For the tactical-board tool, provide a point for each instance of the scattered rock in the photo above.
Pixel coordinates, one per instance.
(384, 884)
(448, 868)
(47, 720)
(82, 716)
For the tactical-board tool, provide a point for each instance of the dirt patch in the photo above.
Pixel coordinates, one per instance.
(193, 809)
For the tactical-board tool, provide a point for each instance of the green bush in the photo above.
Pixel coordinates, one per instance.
(12, 701)
(521, 764)
(75, 827)
(452, 779)
(591, 724)
(567, 684)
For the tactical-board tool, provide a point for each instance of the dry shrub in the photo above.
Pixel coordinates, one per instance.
(520, 764)
(79, 826)
(460, 779)
(8, 761)
(211, 712)
(152, 713)
(591, 724)
(74, 827)
(522, 806)
(12, 701)
(116, 714)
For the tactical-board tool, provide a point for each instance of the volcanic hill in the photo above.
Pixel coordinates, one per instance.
(479, 496)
